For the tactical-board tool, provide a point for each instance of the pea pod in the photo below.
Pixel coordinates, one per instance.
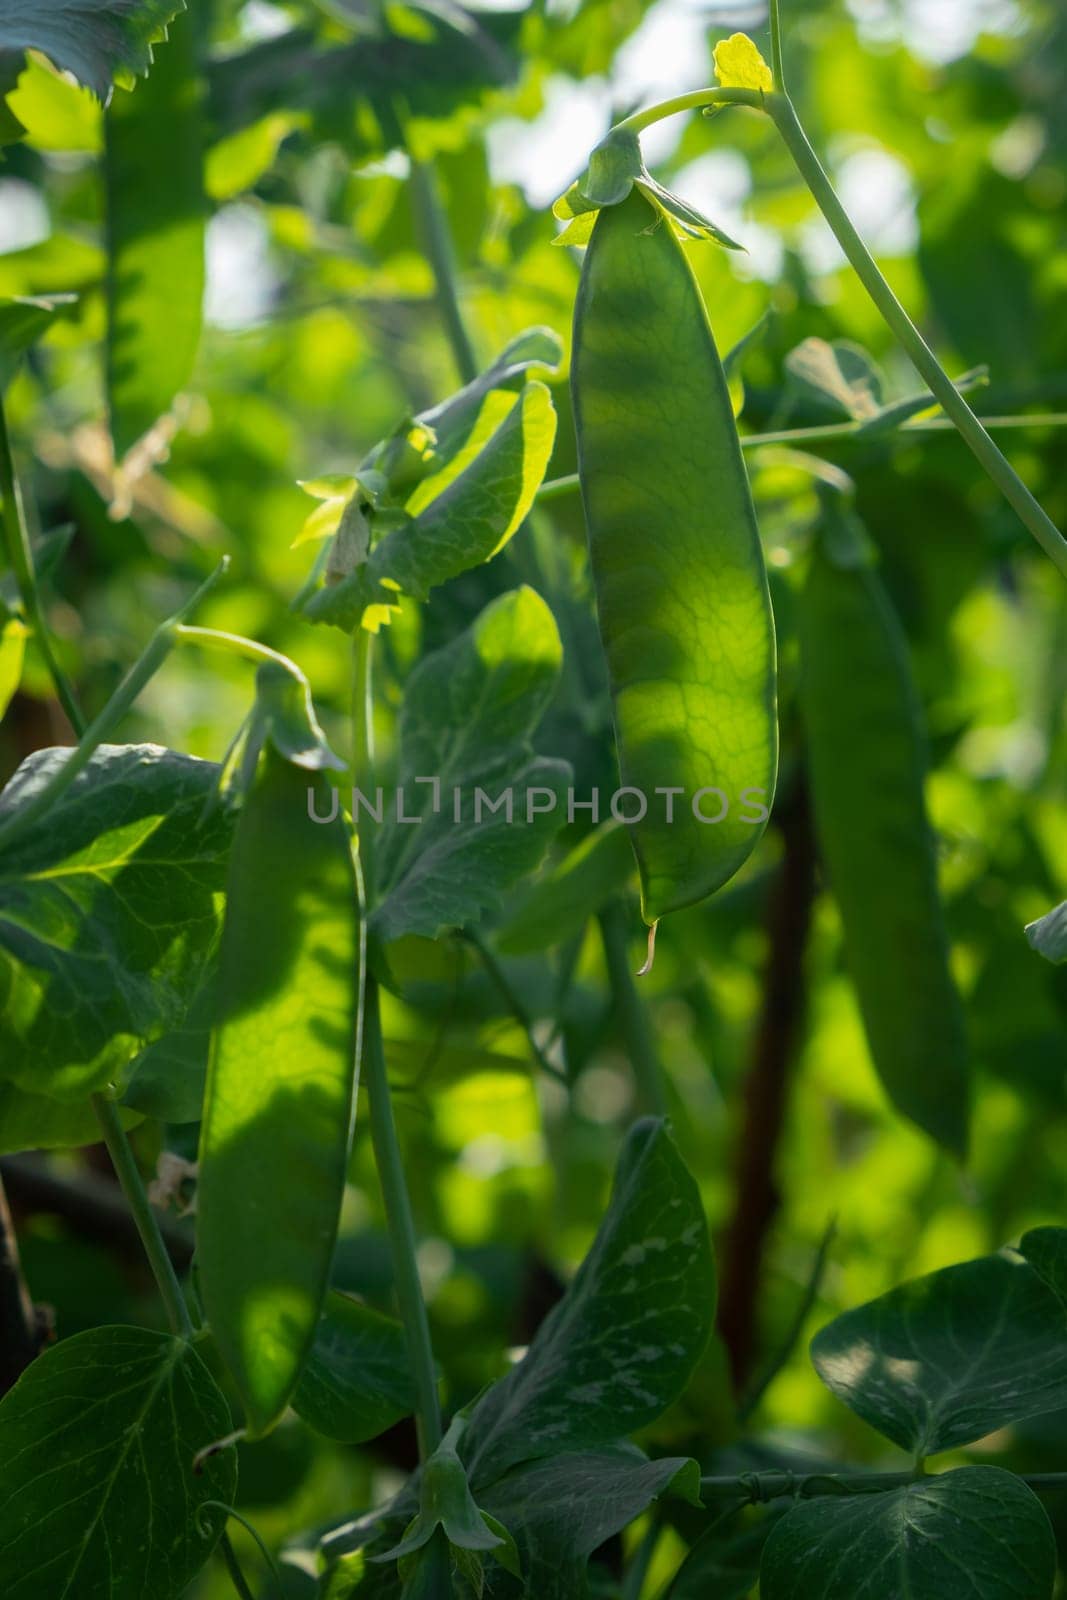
(681, 588)
(281, 1083)
(867, 762)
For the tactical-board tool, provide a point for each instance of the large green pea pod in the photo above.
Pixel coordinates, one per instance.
(681, 587)
(281, 1082)
(867, 763)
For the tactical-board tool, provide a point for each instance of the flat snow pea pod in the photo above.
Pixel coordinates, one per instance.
(867, 763)
(281, 1083)
(682, 597)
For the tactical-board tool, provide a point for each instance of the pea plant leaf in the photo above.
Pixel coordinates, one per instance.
(13, 632)
(1048, 935)
(356, 1381)
(99, 41)
(561, 1509)
(469, 713)
(621, 1345)
(467, 523)
(557, 907)
(1046, 1251)
(280, 1099)
(441, 66)
(109, 914)
(23, 319)
(36, 1122)
(975, 1533)
(943, 1360)
(155, 234)
(97, 1476)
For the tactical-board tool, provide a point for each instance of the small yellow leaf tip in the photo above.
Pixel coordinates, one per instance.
(739, 64)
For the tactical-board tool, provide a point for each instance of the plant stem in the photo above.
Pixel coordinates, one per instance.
(754, 1394)
(401, 1229)
(513, 1003)
(782, 1006)
(695, 100)
(129, 1177)
(170, 1290)
(777, 62)
(433, 224)
(758, 1487)
(143, 670)
(233, 644)
(631, 1012)
(363, 742)
(838, 433)
(20, 557)
(20, 1337)
(900, 324)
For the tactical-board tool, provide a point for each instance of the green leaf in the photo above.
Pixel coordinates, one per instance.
(280, 1097)
(1048, 935)
(1046, 1251)
(13, 634)
(155, 231)
(840, 377)
(238, 162)
(463, 526)
(623, 1342)
(557, 907)
(470, 711)
(724, 1561)
(975, 1534)
(99, 41)
(562, 1509)
(356, 1382)
(440, 71)
(36, 1122)
(946, 1359)
(109, 914)
(22, 322)
(100, 1496)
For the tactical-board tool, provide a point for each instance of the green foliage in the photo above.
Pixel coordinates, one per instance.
(974, 1532)
(101, 1495)
(110, 914)
(459, 1361)
(155, 232)
(99, 41)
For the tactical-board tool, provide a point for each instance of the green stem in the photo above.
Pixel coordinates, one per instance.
(696, 100)
(128, 1174)
(20, 558)
(237, 1577)
(513, 1003)
(777, 61)
(363, 742)
(630, 1011)
(433, 225)
(752, 1397)
(758, 1487)
(837, 433)
(143, 670)
(911, 340)
(401, 1229)
(233, 644)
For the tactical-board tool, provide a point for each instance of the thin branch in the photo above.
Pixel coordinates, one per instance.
(20, 1337)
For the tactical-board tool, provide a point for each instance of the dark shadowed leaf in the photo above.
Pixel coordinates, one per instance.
(469, 713)
(975, 1534)
(96, 40)
(97, 1441)
(356, 1382)
(622, 1343)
